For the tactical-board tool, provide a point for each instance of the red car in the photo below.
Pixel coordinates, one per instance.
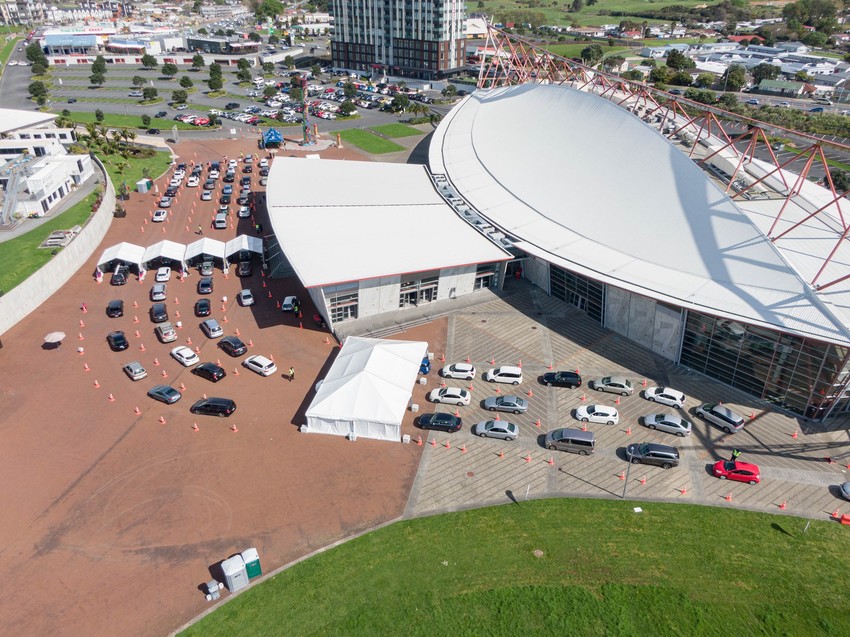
(736, 470)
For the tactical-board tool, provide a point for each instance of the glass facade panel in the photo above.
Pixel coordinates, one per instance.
(342, 301)
(586, 294)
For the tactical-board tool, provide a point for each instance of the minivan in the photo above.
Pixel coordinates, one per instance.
(214, 407)
(824, 101)
(220, 222)
(572, 440)
(504, 374)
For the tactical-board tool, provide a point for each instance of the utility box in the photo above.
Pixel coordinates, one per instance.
(235, 574)
(213, 591)
(252, 563)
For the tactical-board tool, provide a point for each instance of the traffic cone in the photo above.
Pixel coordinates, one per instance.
(218, 362)
(264, 283)
(300, 325)
(617, 401)
(136, 410)
(137, 334)
(195, 427)
(519, 364)
(527, 458)
(135, 304)
(419, 441)
(584, 426)
(549, 367)
(683, 490)
(81, 337)
(182, 386)
(457, 412)
(463, 448)
(835, 514)
(327, 340)
(782, 506)
(204, 395)
(442, 383)
(177, 313)
(188, 340)
(728, 497)
(237, 331)
(433, 442)
(448, 444)
(236, 371)
(111, 398)
(162, 420)
(278, 304)
(497, 417)
(537, 423)
(550, 461)
(622, 475)
(225, 318)
(156, 362)
(164, 374)
(492, 360)
(643, 480)
(271, 357)
(84, 308)
(629, 430)
(234, 428)
(501, 454)
(222, 307)
(530, 394)
(577, 370)
(470, 388)
(95, 383)
(251, 343)
(135, 319)
(644, 382)
(442, 358)
(86, 367)
(583, 397)
(270, 294)
(498, 389)
(467, 359)
(752, 415)
(82, 324)
(794, 435)
(176, 301)
(197, 350)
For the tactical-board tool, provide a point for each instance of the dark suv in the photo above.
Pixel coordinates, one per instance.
(158, 313)
(232, 346)
(663, 456)
(115, 308)
(562, 379)
(214, 407)
(119, 277)
(231, 106)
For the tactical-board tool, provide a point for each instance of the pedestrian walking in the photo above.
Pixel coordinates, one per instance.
(200, 229)
(291, 374)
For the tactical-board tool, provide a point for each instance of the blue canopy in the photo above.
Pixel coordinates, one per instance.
(272, 136)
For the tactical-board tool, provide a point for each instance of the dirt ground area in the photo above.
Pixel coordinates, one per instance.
(112, 518)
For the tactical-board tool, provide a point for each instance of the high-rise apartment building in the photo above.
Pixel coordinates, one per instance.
(414, 38)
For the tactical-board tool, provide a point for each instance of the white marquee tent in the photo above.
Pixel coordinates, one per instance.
(367, 389)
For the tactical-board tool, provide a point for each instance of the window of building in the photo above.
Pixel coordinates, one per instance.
(342, 301)
(486, 276)
(586, 294)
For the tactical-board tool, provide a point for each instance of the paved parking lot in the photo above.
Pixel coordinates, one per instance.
(527, 326)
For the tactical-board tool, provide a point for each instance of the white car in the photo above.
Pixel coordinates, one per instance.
(182, 107)
(665, 396)
(245, 298)
(206, 195)
(450, 395)
(159, 216)
(213, 174)
(464, 371)
(244, 212)
(260, 364)
(163, 274)
(264, 163)
(184, 356)
(193, 182)
(598, 413)
(233, 163)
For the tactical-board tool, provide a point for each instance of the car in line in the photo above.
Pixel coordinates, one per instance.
(440, 421)
(165, 202)
(153, 131)
(159, 216)
(245, 298)
(501, 429)
(450, 395)
(462, 371)
(117, 341)
(505, 374)
(752, 101)
(159, 313)
(844, 487)
(165, 394)
(232, 346)
(721, 416)
(244, 268)
(119, 276)
(513, 404)
(211, 328)
(206, 268)
(289, 304)
(214, 406)
(205, 285)
(737, 471)
(163, 274)
(598, 413)
(562, 379)
(260, 364)
(165, 332)
(663, 456)
(159, 292)
(227, 190)
(210, 371)
(184, 356)
(613, 385)
(669, 423)
(206, 195)
(135, 370)
(665, 396)
(244, 211)
(193, 182)
(115, 308)
(203, 307)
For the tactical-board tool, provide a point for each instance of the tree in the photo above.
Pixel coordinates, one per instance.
(150, 93)
(704, 80)
(138, 80)
(98, 115)
(349, 90)
(296, 94)
(273, 39)
(198, 61)
(203, 31)
(679, 61)
(39, 69)
(576, 5)
(99, 65)
(400, 102)
(613, 61)
(215, 70)
(37, 88)
(681, 78)
(590, 55)
(269, 91)
(728, 101)
(146, 121)
(268, 8)
(186, 82)
(289, 62)
(802, 76)
(765, 71)
(243, 64)
(254, 37)
(839, 179)
(316, 70)
(169, 70)
(196, 6)
(701, 96)
(34, 53)
(179, 96)
(215, 83)
(149, 62)
(735, 78)
(347, 108)
(450, 91)
(268, 67)
(815, 39)
(660, 74)
(244, 75)
(97, 79)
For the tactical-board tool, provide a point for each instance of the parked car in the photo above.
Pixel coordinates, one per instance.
(721, 416)
(202, 307)
(598, 413)
(159, 313)
(211, 328)
(665, 396)
(562, 379)
(232, 346)
(737, 471)
(244, 268)
(245, 298)
(165, 394)
(753, 101)
(663, 456)
(161, 114)
(440, 421)
(463, 371)
(159, 292)
(117, 341)
(115, 309)
(260, 364)
(206, 195)
(513, 404)
(210, 371)
(165, 332)
(668, 422)
(153, 131)
(572, 440)
(505, 374)
(165, 202)
(213, 406)
(496, 429)
(451, 395)
(613, 385)
(135, 370)
(205, 285)
(184, 356)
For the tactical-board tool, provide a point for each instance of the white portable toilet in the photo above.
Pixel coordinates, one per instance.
(235, 574)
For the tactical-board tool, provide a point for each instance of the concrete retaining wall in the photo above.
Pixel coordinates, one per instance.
(26, 297)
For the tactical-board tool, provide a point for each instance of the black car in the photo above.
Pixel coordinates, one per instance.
(440, 422)
(231, 106)
(244, 268)
(663, 456)
(225, 200)
(115, 308)
(214, 407)
(119, 277)
(210, 371)
(562, 379)
(229, 178)
(202, 307)
(248, 169)
(117, 341)
(233, 346)
(171, 191)
(153, 131)
(161, 114)
(205, 285)
(246, 180)
(72, 100)
(264, 171)
(159, 313)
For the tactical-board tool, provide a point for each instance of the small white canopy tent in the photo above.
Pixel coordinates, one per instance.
(128, 253)
(367, 389)
(243, 242)
(168, 250)
(206, 246)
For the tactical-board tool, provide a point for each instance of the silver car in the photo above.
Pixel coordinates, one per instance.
(614, 384)
(513, 404)
(496, 429)
(165, 332)
(721, 416)
(135, 370)
(668, 422)
(212, 329)
(159, 292)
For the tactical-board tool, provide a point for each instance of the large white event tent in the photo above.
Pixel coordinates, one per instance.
(367, 389)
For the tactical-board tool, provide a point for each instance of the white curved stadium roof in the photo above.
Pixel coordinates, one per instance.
(584, 184)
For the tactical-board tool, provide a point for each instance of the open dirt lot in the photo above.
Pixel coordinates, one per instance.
(112, 518)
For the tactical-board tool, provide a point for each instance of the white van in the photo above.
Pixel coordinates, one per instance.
(220, 222)
(504, 374)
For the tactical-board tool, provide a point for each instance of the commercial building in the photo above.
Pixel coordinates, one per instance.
(221, 45)
(22, 12)
(411, 38)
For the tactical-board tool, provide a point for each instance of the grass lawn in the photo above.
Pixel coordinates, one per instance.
(674, 569)
(397, 130)
(6, 52)
(157, 165)
(369, 142)
(574, 50)
(114, 120)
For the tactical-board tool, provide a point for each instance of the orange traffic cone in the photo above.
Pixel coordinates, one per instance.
(530, 394)
(195, 427)
(463, 449)
(537, 422)
(794, 435)
(136, 410)
(162, 420)
(527, 458)
(501, 454)
(234, 428)
(643, 480)
(111, 398)
(96, 384)
(550, 461)
(164, 374)
(86, 367)
(419, 441)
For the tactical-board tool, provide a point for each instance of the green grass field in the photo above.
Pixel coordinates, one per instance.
(369, 142)
(156, 165)
(6, 52)
(397, 130)
(602, 569)
(114, 120)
